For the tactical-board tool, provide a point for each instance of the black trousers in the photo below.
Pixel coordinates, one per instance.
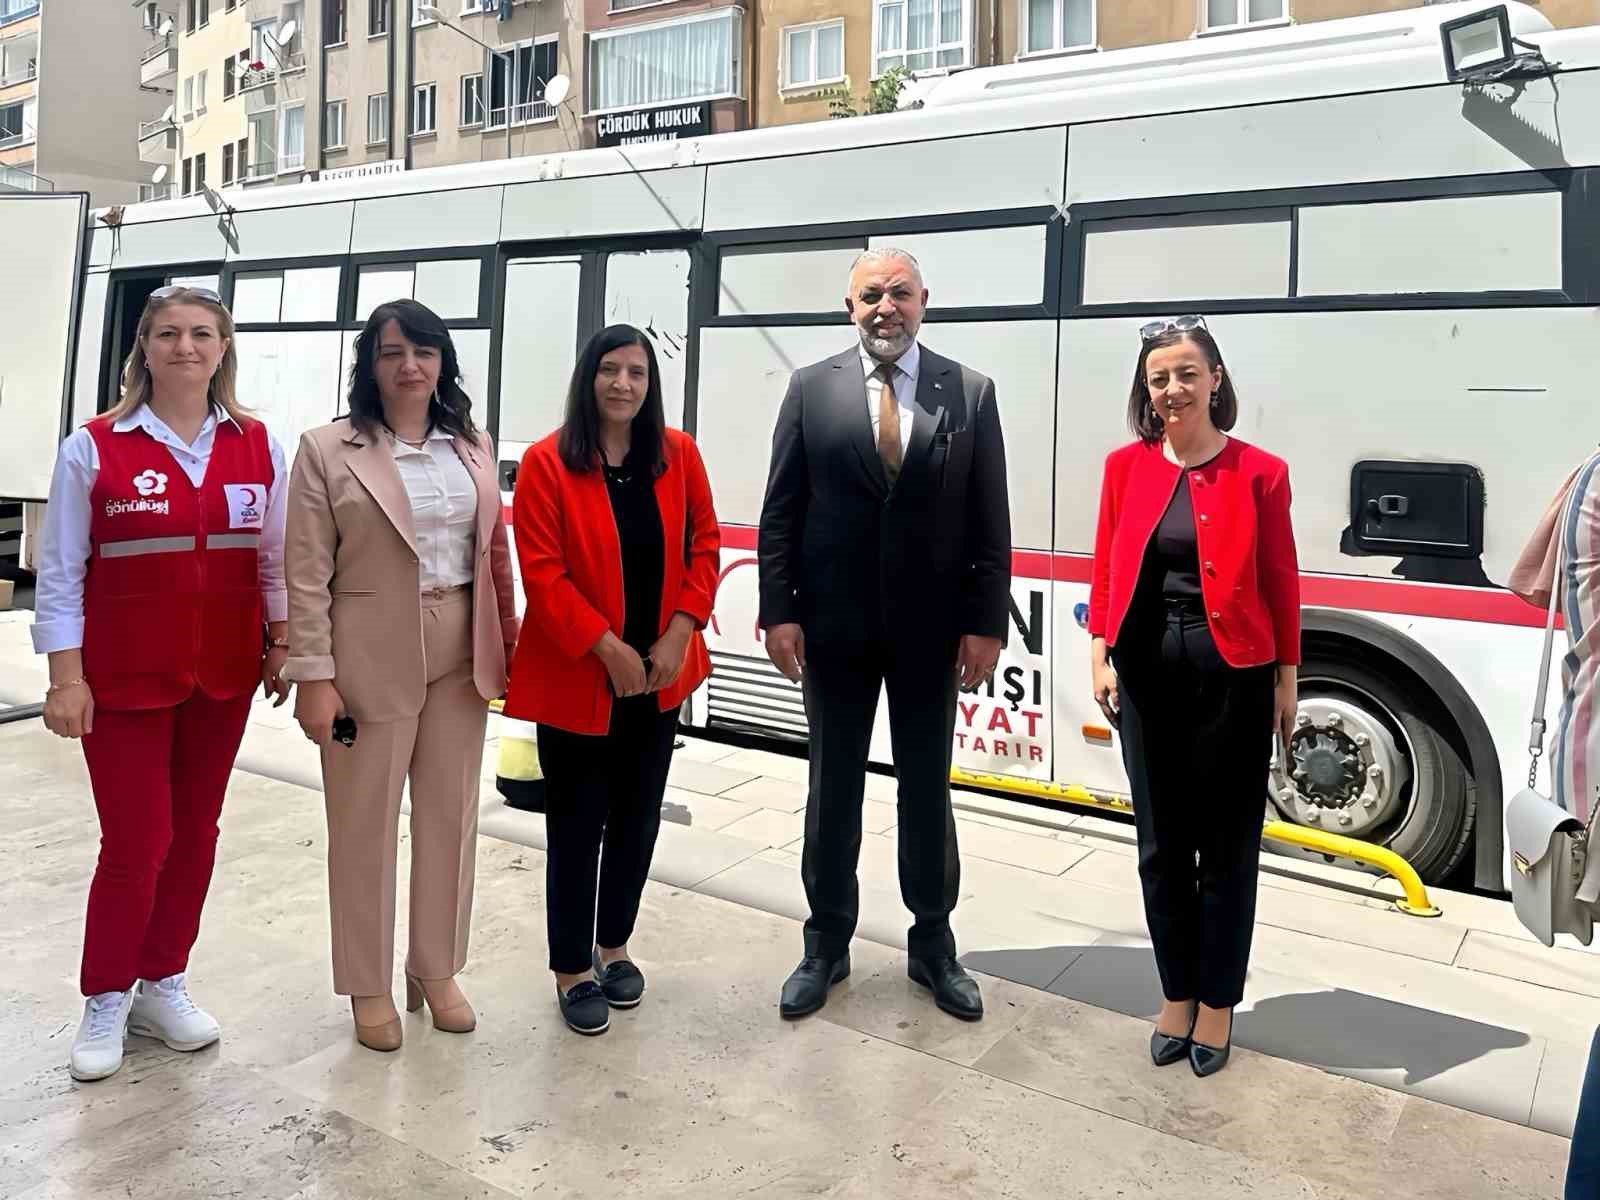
(602, 794)
(841, 695)
(1197, 742)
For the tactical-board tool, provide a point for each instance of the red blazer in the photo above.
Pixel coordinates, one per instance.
(1249, 576)
(566, 541)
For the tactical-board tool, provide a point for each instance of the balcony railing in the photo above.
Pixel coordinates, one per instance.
(292, 162)
(21, 74)
(522, 114)
(255, 79)
(9, 141)
(156, 49)
(13, 11)
(15, 179)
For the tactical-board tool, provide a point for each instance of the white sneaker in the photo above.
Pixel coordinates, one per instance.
(162, 1009)
(97, 1050)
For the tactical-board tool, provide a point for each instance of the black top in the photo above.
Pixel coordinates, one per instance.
(633, 503)
(1174, 555)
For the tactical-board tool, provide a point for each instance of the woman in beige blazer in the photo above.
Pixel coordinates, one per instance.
(401, 619)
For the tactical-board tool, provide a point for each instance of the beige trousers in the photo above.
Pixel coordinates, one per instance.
(441, 751)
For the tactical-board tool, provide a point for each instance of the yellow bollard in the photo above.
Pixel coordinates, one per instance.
(1415, 903)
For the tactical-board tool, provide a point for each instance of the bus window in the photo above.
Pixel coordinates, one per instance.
(650, 289)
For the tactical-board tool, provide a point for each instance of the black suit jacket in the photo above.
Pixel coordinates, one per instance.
(857, 562)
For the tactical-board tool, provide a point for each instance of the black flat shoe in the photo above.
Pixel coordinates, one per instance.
(584, 1008)
(806, 989)
(1168, 1048)
(1208, 1060)
(953, 989)
(621, 981)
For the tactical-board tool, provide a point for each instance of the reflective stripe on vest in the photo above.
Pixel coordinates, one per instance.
(161, 545)
(233, 541)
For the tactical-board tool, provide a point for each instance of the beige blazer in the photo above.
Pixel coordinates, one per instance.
(350, 555)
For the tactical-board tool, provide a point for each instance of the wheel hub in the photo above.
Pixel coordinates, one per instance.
(1345, 772)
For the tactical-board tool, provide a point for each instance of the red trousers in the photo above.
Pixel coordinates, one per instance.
(159, 776)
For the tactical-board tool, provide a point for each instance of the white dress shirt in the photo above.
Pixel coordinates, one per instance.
(64, 549)
(444, 509)
(905, 391)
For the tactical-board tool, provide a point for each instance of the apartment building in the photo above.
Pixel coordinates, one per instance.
(68, 119)
(808, 50)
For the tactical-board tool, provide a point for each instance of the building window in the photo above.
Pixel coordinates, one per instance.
(471, 100)
(377, 118)
(695, 58)
(200, 91)
(205, 13)
(813, 54)
(188, 176)
(1236, 14)
(242, 159)
(333, 22)
(260, 31)
(424, 108)
(1054, 25)
(292, 139)
(920, 35)
(227, 164)
(229, 76)
(333, 125)
(517, 76)
(191, 20)
(188, 97)
(19, 59)
(293, 55)
(152, 17)
(199, 172)
(17, 123)
(377, 18)
(416, 15)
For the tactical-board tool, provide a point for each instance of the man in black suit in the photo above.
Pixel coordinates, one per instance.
(885, 556)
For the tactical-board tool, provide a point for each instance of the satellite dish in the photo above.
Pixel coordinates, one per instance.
(160, 174)
(171, 112)
(429, 12)
(286, 34)
(557, 90)
(166, 28)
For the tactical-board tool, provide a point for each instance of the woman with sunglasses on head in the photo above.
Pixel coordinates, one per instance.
(401, 621)
(1194, 616)
(161, 606)
(619, 549)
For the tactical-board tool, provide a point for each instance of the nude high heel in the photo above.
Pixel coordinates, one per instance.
(460, 1019)
(385, 1037)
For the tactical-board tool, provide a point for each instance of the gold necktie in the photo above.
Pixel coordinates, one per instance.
(888, 423)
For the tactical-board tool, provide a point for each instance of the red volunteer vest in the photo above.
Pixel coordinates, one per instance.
(172, 600)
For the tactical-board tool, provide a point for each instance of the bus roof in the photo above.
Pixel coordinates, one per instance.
(1349, 56)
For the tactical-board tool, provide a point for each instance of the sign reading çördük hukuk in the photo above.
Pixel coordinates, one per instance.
(653, 124)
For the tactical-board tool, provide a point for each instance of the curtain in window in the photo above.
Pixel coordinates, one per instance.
(920, 36)
(1266, 10)
(1078, 23)
(658, 66)
(830, 52)
(890, 17)
(292, 150)
(1222, 12)
(1041, 25)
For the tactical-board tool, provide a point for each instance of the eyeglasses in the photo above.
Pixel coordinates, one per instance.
(1151, 330)
(203, 293)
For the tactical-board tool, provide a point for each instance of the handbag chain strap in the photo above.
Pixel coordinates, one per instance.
(1537, 726)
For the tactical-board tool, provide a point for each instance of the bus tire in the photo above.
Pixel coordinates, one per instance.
(1437, 810)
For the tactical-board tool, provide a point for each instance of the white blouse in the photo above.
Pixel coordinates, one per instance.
(444, 509)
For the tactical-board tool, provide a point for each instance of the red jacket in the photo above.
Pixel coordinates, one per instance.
(571, 558)
(172, 600)
(1249, 576)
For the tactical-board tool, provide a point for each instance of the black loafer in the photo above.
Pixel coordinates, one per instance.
(1208, 1060)
(1168, 1048)
(621, 981)
(806, 989)
(584, 1008)
(953, 989)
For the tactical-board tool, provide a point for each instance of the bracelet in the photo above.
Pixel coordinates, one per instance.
(278, 644)
(61, 687)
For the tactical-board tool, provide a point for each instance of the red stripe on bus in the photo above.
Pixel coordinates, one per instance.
(1492, 606)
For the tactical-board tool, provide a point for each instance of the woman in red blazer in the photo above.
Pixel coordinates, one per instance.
(619, 548)
(1194, 614)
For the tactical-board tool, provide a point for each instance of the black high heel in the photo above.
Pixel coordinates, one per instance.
(1208, 1060)
(1167, 1048)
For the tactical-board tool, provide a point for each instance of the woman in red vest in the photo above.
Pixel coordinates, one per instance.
(1194, 613)
(619, 549)
(161, 604)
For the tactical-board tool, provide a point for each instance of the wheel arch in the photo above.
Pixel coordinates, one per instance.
(1351, 635)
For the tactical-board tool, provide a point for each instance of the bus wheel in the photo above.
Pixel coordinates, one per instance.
(1369, 760)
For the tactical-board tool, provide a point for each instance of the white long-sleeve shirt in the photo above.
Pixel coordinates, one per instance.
(63, 560)
(906, 369)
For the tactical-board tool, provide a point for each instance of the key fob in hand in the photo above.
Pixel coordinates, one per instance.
(344, 730)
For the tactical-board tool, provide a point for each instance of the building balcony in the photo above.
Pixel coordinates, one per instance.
(19, 60)
(158, 69)
(25, 73)
(259, 89)
(11, 140)
(158, 141)
(12, 11)
(18, 179)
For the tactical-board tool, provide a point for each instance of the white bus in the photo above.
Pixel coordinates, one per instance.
(1403, 271)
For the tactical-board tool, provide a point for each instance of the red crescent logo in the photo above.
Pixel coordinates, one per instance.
(249, 496)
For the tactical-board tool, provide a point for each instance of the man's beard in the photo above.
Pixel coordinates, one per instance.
(886, 349)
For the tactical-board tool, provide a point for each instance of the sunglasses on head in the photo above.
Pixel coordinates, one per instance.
(1151, 330)
(203, 293)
